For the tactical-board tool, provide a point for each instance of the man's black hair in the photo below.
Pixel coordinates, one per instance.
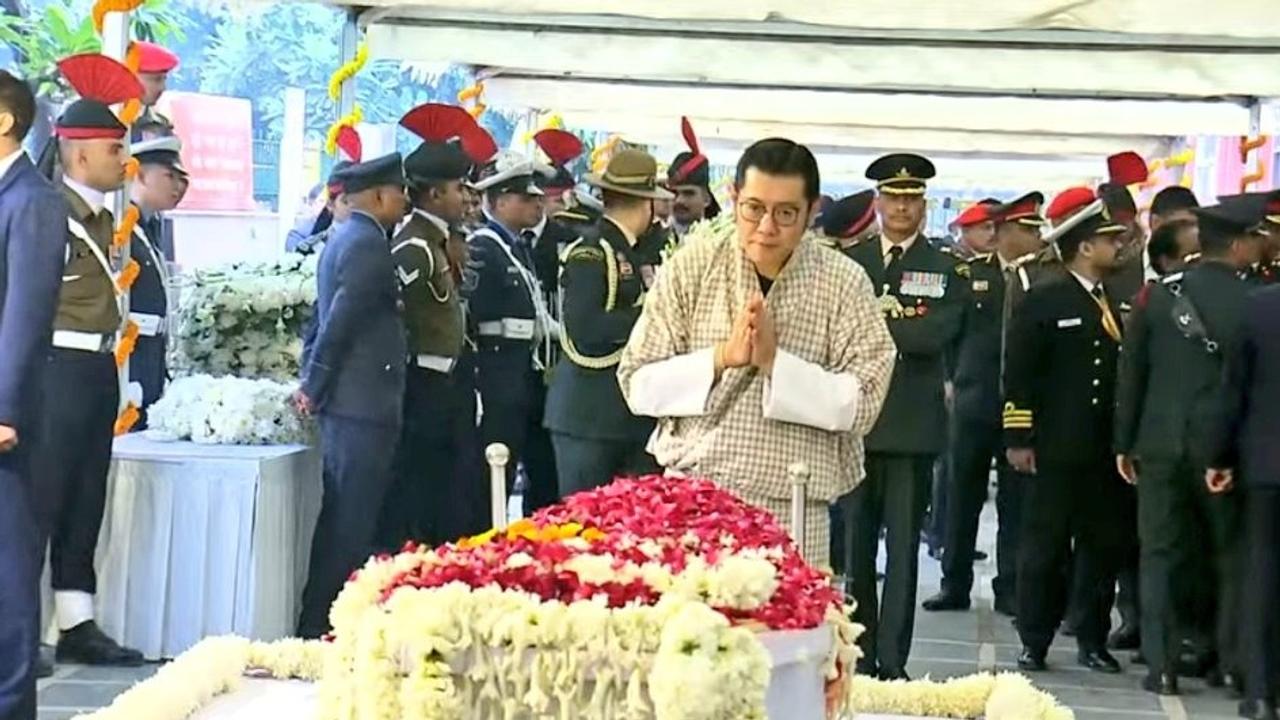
(1217, 236)
(1164, 241)
(779, 156)
(17, 99)
(1172, 199)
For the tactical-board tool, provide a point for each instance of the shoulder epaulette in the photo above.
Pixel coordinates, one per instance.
(571, 216)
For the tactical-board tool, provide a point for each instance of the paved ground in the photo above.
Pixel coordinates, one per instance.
(946, 645)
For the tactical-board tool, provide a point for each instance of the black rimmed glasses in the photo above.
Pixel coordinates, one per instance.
(783, 215)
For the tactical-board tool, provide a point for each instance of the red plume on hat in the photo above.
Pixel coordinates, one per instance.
(1069, 202)
(97, 77)
(561, 147)
(478, 144)
(350, 144)
(439, 123)
(693, 163)
(1127, 168)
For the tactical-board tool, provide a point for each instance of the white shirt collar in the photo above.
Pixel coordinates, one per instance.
(440, 224)
(885, 244)
(93, 198)
(7, 162)
(1085, 282)
(541, 226)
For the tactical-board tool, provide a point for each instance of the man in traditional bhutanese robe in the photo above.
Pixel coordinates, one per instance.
(759, 348)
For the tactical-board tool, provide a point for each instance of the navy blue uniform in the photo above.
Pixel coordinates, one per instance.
(354, 376)
(504, 300)
(149, 308)
(1244, 438)
(33, 216)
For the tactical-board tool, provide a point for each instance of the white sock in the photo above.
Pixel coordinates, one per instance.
(72, 608)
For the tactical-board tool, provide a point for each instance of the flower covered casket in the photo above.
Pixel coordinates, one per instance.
(649, 598)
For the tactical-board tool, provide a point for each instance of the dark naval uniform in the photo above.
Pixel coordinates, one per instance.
(1061, 331)
(425, 502)
(1244, 440)
(33, 216)
(924, 295)
(149, 309)
(354, 375)
(1167, 396)
(504, 299)
(595, 435)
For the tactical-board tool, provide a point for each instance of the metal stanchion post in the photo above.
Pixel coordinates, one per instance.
(498, 455)
(798, 473)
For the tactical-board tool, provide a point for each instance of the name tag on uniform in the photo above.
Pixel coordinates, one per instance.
(513, 270)
(981, 286)
(923, 284)
(1070, 322)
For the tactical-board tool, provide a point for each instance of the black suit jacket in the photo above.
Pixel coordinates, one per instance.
(977, 373)
(1060, 376)
(1245, 437)
(914, 417)
(1169, 385)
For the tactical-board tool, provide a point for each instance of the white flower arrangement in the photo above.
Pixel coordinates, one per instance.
(245, 319)
(228, 411)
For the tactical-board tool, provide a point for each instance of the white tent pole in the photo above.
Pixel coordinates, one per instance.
(115, 44)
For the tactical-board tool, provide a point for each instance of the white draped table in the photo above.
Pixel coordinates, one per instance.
(203, 540)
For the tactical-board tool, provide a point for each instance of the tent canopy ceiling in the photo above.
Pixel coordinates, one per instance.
(1035, 77)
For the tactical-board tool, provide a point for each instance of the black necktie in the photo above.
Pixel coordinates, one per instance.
(1097, 292)
(892, 271)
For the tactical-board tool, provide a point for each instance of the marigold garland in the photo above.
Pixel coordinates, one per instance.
(102, 7)
(127, 419)
(129, 275)
(341, 76)
(474, 93)
(352, 119)
(128, 340)
(131, 168)
(124, 230)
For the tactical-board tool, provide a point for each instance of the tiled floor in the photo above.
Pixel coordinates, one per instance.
(946, 644)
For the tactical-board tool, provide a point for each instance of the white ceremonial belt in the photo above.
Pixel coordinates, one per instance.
(439, 363)
(89, 342)
(509, 328)
(148, 325)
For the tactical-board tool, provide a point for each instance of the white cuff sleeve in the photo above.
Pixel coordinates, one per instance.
(675, 387)
(803, 393)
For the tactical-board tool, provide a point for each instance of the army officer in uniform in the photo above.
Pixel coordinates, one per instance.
(426, 503)
(353, 380)
(595, 435)
(81, 384)
(922, 295)
(977, 438)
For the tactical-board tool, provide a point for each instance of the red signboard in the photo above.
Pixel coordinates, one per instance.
(217, 148)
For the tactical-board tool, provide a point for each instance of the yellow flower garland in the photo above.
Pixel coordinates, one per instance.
(339, 77)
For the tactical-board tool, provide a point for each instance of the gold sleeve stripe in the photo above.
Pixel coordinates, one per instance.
(1011, 424)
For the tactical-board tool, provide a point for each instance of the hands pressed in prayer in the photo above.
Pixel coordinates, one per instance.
(764, 336)
(737, 351)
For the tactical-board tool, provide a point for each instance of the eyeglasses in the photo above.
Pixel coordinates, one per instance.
(783, 215)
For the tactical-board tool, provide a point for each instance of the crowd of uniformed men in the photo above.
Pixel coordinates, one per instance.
(1083, 363)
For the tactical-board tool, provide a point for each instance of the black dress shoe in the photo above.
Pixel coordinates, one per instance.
(945, 601)
(86, 644)
(1126, 638)
(1162, 684)
(1005, 606)
(1258, 710)
(1099, 661)
(1031, 661)
(897, 674)
(44, 664)
(1234, 683)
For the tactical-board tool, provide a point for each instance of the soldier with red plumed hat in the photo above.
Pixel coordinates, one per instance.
(154, 65)
(425, 503)
(689, 177)
(81, 389)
